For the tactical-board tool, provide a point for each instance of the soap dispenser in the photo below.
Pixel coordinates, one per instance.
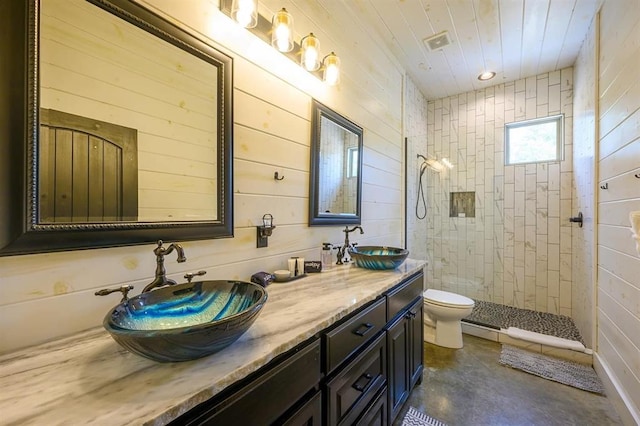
(325, 256)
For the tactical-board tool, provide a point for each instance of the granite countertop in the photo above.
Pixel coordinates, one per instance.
(89, 379)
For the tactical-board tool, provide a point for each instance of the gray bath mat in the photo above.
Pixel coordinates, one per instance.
(566, 372)
(416, 418)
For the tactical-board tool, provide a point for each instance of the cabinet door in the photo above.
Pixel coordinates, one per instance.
(310, 414)
(376, 414)
(398, 336)
(415, 316)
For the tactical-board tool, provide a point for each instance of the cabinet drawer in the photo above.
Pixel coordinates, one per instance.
(268, 397)
(310, 414)
(351, 392)
(376, 414)
(344, 340)
(402, 295)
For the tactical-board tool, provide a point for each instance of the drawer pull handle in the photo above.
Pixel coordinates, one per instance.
(410, 315)
(362, 382)
(360, 331)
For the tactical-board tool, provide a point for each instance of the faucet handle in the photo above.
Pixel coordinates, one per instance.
(189, 275)
(125, 289)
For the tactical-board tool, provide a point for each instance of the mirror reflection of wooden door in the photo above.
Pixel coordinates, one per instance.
(87, 170)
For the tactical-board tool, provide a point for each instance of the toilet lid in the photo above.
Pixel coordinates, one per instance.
(446, 298)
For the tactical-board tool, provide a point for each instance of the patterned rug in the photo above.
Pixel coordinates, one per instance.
(416, 418)
(494, 315)
(566, 372)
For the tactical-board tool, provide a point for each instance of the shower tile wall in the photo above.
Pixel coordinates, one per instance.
(415, 125)
(517, 249)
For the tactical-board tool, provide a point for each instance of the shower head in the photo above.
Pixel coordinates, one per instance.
(432, 164)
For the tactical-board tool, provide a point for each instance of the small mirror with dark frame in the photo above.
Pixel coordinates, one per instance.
(336, 169)
(115, 129)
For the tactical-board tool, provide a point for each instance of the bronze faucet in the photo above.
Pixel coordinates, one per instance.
(161, 274)
(343, 250)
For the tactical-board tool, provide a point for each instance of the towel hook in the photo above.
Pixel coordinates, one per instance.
(605, 186)
(637, 175)
(278, 177)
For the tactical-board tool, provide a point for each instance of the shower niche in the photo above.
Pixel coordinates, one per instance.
(462, 204)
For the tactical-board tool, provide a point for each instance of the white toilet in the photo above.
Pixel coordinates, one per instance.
(443, 311)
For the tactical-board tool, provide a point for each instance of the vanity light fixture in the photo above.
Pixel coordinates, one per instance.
(245, 12)
(310, 52)
(487, 75)
(282, 31)
(331, 73)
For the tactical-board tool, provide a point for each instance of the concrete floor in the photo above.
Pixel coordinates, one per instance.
(469, 387)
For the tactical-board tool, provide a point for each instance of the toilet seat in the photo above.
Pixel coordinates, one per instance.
(447, 299)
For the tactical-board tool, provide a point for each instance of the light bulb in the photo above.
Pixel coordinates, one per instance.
(331, 69)
(332, 74)
(310, 52)
(311, 59)
(245, 12)
(282, 31)
(282, 37)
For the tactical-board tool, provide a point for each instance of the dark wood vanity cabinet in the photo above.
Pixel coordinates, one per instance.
(390, 365)
(405, 337)
(359, 371)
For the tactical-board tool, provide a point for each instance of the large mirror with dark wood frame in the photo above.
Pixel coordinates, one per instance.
(336, 169)
(116, 128)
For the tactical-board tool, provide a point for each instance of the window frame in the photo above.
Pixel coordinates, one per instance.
(558, 118)
(352, 163)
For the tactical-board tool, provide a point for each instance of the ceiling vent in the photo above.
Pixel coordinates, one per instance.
(437, 41)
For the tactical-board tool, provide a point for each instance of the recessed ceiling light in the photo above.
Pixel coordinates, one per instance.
(487, 75)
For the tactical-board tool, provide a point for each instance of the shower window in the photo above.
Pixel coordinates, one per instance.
(352, 163)
(534, 141)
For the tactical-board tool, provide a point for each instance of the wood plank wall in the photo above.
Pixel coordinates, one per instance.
(272, 113)
(618, 312)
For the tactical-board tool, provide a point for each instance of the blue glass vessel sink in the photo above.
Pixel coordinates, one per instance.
(185, 321)
(378, 257)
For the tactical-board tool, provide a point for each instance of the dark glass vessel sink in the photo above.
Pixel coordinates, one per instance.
(186, 321)
(378, 257)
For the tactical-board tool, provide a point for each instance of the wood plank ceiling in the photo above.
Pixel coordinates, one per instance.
(514, 38)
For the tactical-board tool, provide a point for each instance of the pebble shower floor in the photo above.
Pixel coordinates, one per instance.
(494, 315)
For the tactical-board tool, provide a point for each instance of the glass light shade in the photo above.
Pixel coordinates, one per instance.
(245, 12)
(331, 69)
(282, 31)
(310, 58)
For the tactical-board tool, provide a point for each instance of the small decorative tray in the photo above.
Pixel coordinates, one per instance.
(285, 280)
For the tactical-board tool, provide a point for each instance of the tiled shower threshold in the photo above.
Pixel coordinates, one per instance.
(491, 320)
